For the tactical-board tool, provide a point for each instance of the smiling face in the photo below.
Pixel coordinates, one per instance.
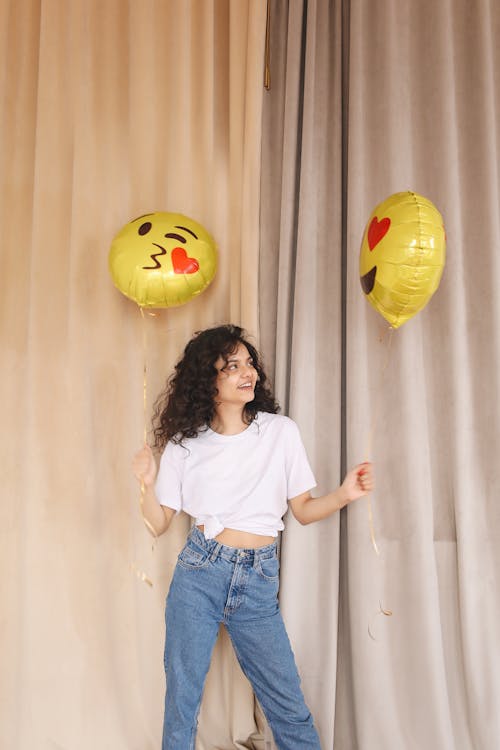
(236, 378)
(402, 256)
(162, 259)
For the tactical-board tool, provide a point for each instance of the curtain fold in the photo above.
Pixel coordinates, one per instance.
(110, 110)
(420, 105)
(300, 288)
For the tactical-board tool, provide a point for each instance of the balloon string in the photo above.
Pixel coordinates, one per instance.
(370, 523)
(382, 611)
(140, 574)
(371, 433)
(144, 377)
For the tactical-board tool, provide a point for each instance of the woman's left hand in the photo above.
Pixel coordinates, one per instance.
(358, 482)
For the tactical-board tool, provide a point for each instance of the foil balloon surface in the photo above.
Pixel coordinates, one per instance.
(402, 256)
(162, 259)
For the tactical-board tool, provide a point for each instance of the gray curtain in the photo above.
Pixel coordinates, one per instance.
(368, 99)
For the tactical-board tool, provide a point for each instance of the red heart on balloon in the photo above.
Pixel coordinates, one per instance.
(181, 262)
(377, 230)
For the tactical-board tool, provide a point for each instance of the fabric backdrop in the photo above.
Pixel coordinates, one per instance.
(369, 99)
(116, 108)
(110, 109)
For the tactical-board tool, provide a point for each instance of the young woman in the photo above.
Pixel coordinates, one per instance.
(234, 465)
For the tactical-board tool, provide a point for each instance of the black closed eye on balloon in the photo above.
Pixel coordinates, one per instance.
(144, 228)
(174, 236)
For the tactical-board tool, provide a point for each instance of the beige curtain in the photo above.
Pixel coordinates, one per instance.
(375, 98)
(110, 109)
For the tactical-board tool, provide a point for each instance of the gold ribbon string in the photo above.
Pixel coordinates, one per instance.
(371, 433)
(382, 611)
(370, 523)
(140, 573)
(145, 407)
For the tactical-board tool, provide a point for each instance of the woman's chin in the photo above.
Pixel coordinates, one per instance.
(247, 398)
(247, 393)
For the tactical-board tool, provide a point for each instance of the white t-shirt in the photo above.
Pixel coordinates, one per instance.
(239, 481)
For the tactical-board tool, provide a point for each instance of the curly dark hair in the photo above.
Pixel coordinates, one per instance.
(187, 404)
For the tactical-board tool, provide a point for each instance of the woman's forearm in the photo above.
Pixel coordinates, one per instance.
(156, 517)
(358, 482)
(312, 509)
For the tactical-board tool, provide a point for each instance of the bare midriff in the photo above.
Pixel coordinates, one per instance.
(241, 539)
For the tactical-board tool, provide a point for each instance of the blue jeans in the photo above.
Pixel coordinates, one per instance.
(213, 583)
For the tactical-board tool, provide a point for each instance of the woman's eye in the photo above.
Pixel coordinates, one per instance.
(236, 366)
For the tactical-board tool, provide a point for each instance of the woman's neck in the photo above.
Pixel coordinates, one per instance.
(229, 420)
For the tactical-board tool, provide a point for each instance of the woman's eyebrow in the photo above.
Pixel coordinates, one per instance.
(239, 359)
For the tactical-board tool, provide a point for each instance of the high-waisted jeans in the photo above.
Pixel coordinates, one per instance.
(214, 583)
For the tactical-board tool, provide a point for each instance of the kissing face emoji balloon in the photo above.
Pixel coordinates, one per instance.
(402, 256)
(162, 259)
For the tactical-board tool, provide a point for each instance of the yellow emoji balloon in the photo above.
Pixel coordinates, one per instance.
(402, 256)
(162, 259)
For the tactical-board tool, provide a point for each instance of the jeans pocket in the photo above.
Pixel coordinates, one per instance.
(268, 568)
(191, 557)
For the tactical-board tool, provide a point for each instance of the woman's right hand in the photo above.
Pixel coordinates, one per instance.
(144, 466)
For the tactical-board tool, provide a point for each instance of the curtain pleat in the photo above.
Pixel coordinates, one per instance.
(300, 288)
(109, 110)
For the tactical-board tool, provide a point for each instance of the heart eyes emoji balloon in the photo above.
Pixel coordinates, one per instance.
(162, 259)
(402, 256)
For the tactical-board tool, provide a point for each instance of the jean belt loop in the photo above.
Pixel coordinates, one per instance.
(215, 552)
